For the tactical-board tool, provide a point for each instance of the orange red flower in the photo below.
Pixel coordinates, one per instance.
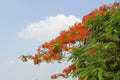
(64, 47)
(46, 57)
(56, 56)
(69, 68)
(57, 75)
(36, 61)
(92, 51)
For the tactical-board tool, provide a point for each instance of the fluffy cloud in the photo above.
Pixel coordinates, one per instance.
(49, 28)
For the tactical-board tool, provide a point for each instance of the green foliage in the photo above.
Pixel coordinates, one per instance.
(104, 62)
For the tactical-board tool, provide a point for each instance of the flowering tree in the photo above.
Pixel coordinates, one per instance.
(93, 46)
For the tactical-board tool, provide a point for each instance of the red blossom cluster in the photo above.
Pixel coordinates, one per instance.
(65, 72)
(36, 57)
(51, 50)
(69, 68)
(92, 51)
(48, 44)
(76, 32)
(64, 47)
(57, 75)
(101, 10)
(56, 56)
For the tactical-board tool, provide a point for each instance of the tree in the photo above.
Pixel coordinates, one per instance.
(93, 46)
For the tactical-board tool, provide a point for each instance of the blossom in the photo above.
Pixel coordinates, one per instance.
(36, 61)
(50, 50)
(56, 56)
(46, 57)
(45, 45)
(57, 75)
(64, 47)
(69, 68)
(54, 76)
(92, 51)
(103, 7)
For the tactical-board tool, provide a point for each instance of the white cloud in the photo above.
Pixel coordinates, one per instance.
(49, 28)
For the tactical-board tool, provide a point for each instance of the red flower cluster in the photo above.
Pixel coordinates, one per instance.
(52, 49)
(76, 32)
(92, 51)
(57, 75)
(48, 44)
(65, 47)
(46, 57)
(64, 72)
(69, 68)
(36, 56)
(56, 56)
(101, 10)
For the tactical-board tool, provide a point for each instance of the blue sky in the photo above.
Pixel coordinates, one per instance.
(25, 24)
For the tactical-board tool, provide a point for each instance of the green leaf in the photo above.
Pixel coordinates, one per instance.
(100, 72)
